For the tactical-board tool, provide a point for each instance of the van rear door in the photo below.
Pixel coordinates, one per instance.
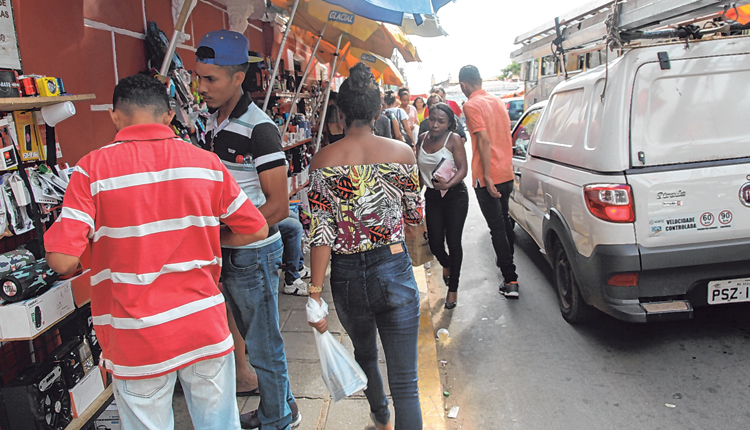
(690, 151)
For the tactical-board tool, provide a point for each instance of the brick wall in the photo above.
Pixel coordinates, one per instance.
(91, 44)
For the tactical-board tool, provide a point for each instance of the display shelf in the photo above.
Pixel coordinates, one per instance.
(300, 188)
(297, 143)
(94, 410)
(28, 103)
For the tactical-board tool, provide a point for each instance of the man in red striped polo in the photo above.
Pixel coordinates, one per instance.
(152, 206)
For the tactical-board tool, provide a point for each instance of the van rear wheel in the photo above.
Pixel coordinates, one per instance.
(572, 306)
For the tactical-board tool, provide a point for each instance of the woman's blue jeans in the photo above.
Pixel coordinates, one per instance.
(375, 293)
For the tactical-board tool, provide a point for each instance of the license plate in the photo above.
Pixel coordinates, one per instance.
(729, 291)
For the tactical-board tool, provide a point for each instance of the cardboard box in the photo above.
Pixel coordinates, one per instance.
(85, 392)
(30, 317)
(82, 288)
(109, 419)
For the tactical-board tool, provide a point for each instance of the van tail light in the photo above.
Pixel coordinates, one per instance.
(507, 106)
(610, 202)
(623, 280)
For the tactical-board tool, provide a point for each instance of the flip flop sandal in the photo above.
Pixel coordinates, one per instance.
(253, 392)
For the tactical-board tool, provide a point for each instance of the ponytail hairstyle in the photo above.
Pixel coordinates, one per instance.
(389, 98)
(359, 96)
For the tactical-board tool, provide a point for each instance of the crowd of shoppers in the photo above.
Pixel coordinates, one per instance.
(365, 186)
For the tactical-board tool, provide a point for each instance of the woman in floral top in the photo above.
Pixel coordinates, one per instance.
(362, 190)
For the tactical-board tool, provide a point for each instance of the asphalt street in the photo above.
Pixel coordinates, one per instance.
(516, 364)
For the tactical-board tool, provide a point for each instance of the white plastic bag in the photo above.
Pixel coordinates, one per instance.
(315, 311)
(341, 374)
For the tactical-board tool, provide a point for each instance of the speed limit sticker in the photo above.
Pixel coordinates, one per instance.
(714, 220)
(690, 222)
(725, 217)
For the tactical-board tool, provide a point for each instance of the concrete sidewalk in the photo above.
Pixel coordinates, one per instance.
(319, 412)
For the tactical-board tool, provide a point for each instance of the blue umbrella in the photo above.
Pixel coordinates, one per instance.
(391, 11)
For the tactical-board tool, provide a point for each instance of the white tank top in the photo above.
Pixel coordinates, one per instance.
(428, 162)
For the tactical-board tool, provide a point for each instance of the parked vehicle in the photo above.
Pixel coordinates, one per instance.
(514, 105)
(635, 182)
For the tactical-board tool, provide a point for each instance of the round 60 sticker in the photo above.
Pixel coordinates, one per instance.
(725, 217)
(707, 219)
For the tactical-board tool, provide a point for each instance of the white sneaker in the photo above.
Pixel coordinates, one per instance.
(305, 272)
(297, 288)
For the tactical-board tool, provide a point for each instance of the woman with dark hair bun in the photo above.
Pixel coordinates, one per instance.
(362, 189)
(447, 199)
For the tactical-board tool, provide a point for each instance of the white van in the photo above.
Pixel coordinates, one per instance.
(640, 195)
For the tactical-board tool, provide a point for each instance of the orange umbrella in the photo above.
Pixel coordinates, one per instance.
(392, 76)
(742, 14)
(378, 64)
(380, 39)
(404, 46)
(385, 39)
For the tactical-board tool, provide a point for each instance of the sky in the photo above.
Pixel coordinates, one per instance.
(480, 32)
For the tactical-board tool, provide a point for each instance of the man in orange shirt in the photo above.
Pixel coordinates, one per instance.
(492, 172)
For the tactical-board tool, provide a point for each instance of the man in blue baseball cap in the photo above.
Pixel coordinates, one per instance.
(249, 144)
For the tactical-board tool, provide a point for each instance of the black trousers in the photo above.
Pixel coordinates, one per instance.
(495, 212)
(446, 217)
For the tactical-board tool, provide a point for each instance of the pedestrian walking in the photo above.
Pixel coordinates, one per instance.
(492, 172)
(446, 197)
(333, 131)
(424, 126)
(420, 105)
(394, 110)
(404, 97)
(156, 308)
(362, 189)
(383, 124)
(249, 144)
(439, 90)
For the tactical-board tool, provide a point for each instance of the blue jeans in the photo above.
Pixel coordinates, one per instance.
(251, 288)
(291, 234)
(209, 386)
(375, 293)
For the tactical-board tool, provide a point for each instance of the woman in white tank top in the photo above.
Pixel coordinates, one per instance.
(446, 197)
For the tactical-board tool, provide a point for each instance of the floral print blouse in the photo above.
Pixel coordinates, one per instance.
(363, 207)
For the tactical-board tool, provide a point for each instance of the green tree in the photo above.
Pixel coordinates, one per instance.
(511, 69)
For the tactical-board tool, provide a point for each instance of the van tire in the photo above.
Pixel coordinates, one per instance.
(572, 306)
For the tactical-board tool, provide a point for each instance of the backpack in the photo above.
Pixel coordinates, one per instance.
(406, 135)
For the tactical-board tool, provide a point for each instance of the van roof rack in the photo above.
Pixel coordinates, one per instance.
(586, 27)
